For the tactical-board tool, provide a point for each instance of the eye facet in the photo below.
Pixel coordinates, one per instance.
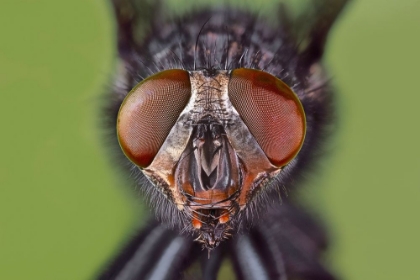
(272, 112)
(149, 112)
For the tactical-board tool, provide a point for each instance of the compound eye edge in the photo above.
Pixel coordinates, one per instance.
(148, 113)
(272, 112)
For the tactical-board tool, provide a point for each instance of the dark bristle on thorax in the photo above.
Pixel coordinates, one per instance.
(272, 238)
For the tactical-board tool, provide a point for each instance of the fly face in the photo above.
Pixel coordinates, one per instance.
(211, 139)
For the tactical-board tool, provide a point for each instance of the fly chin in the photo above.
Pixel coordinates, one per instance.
(211, 216)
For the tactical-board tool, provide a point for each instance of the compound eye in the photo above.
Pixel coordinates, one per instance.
(271, 111)
(149, 112)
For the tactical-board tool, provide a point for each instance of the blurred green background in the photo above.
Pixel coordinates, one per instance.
(63, 209)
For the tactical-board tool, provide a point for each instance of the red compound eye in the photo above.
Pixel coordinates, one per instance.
(272, 112)
(149, 112)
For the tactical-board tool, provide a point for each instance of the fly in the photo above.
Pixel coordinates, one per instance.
(218, 115)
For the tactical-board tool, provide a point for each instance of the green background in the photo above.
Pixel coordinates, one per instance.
(63, 209)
